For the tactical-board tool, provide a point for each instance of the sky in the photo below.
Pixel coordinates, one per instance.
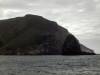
(80, 17)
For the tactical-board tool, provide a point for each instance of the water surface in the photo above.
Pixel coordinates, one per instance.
(50, 65)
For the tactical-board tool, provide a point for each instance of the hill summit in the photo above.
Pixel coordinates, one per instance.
(35, 35)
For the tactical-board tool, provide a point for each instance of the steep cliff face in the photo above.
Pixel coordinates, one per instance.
(34, 34)
(72, 46)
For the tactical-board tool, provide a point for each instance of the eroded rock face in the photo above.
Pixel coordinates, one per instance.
(72, 46)
(34, 34)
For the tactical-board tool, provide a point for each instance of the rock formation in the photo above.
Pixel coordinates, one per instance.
(34, 34)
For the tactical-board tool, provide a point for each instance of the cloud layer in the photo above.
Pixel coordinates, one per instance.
(81, 17)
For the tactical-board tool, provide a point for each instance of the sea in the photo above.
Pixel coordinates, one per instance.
(50, 65)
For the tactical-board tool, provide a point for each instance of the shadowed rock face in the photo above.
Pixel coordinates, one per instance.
(72, 46)
(33, 34)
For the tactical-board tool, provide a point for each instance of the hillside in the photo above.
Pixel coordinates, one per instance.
(34, 34)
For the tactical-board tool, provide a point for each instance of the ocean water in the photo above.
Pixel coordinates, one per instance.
(50, 65)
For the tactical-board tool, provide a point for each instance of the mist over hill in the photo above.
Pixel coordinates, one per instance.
(35, 35)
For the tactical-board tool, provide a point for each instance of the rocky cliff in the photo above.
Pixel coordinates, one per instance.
(34, 34)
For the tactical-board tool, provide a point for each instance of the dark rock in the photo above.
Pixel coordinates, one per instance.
(86, 50)
(34, 34)
(71, 46)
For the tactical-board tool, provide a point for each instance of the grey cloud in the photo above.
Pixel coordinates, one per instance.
(32, 4)
(13, 4)
(92, 43)
(1, 13)
(81, 17)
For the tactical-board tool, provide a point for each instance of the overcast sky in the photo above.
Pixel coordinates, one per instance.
(80, 17)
